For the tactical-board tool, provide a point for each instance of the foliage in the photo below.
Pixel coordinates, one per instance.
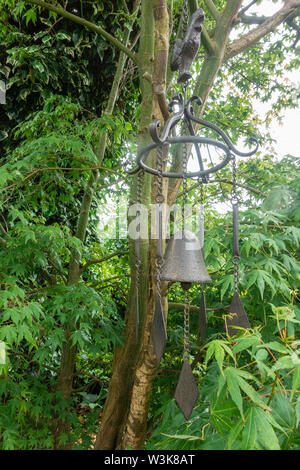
(249, 384)
(58, 77)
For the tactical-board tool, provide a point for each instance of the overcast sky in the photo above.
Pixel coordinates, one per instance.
(286, 134)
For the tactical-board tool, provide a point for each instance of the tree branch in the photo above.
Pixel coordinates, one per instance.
(212, 9)
(266, 27)
(87, 24)
(101, 260)
(291, 22)
(207, 42)
(109, 279)
(226, 181)
(252, 19)
(194, 308)
(243, 10)
(244, 186)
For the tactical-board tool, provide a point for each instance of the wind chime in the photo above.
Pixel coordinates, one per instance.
(183, 260)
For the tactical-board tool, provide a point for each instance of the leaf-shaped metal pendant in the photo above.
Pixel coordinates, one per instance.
(202, 319)
(238, 316)
(186, 393)
(158, 331)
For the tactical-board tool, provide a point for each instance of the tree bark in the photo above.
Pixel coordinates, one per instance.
(117, 403)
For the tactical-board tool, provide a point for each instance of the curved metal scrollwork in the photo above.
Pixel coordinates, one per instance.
(170, 123)
(186, 113)
(190, 114)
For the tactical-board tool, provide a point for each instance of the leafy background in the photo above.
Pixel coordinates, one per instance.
(57, 86)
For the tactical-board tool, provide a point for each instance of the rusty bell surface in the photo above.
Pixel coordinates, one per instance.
(184, 260)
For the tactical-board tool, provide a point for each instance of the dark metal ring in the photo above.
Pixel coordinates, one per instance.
(159, 199)
(191, 139)
(159, 262)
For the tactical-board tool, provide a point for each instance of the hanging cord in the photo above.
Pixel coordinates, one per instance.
(235, 210)
(159, 199)
(138, 249)
(186, 350)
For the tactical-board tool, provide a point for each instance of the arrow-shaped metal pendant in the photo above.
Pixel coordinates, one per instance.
(237, 316)
(202, 319)
(186, 393)
(158, 331)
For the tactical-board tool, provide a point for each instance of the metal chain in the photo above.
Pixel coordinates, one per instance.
(137, 247)
(236, 279)
(139, 202)
(184, 180)
(159, 198)
(234, 201)
(201, 222)
(186, 350)
(201, 215)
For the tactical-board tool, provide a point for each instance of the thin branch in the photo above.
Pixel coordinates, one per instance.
(87, 24)
(241, 185)
(85, 387)
(2, 229)
(113, 278)
(125, 7)
(252, 19)
(207, 42)
(193, 308)
(243, 10)
(266, 27)
(291, 22)
(57, 269)
(54, 168)
(101, 260)
(220, 180)
(212, 9)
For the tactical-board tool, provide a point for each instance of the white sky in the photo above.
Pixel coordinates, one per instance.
(287, 133)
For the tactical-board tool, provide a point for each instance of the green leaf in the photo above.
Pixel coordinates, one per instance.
(62, 35)
(250, 431)
(30, 15)
(235, 432)
(245, 343)
(234, 389)
(266, 432)
(275, 346)
(285, 362)
(297, 409)
(247, 388)
(296, 380)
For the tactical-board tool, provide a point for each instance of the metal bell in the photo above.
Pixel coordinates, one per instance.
(184, 260)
